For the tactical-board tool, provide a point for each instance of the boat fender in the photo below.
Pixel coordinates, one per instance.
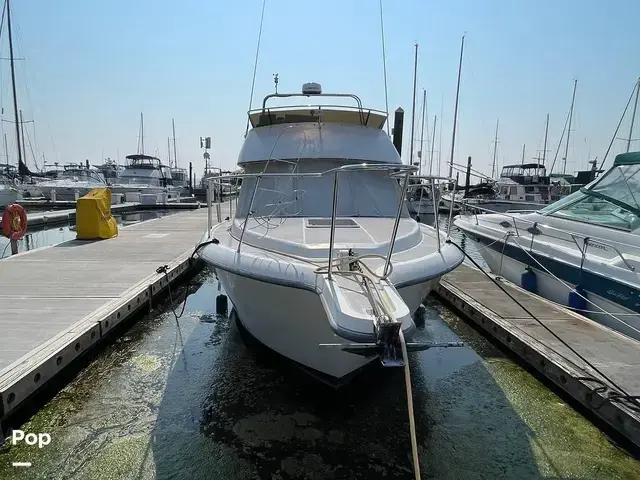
(577, 299)
(529, 281)
(14, 222)
(222, 305)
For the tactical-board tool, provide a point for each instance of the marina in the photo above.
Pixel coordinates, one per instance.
(319, 288)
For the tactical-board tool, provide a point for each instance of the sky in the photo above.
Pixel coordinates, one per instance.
(87, 70)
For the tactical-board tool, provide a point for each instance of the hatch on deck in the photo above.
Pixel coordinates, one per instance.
(326, 223)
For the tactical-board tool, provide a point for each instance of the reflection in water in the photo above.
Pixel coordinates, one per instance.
(50, 235)
(459, 237)
(190, 400)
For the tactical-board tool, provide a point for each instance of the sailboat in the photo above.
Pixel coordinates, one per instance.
(322, 260)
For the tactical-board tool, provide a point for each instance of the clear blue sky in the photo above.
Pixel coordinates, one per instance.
(91, 67)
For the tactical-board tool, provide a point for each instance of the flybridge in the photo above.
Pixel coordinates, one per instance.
(340, 113)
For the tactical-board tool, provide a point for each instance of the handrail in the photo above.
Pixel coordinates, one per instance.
(573, 235)
(393, 168)
(288, 95)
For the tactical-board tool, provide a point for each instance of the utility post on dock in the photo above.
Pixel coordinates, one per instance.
(468, 180)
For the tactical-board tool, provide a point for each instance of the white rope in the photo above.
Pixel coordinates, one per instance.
(412, 421)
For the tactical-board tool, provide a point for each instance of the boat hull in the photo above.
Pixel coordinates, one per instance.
(65, 193)
(293, 322)
(550, 288)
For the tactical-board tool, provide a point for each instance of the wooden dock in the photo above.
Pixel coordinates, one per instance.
(615, 354)
(57, 302)
(68, 211)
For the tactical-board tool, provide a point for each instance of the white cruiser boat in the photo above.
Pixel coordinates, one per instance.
(144, 174)
(582, 251)
(75, 181)
(324, 182)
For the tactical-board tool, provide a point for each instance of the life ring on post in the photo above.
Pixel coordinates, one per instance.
(14, 222)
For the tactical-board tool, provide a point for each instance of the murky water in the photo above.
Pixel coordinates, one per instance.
(50, 235)
(190, 400)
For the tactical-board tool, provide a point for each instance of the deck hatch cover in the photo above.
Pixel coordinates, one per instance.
(326, 223)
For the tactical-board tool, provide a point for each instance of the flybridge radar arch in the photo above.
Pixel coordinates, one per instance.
(343, 114)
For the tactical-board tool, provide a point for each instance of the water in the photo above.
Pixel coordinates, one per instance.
(189, 400)
(50, 235)
(459, 237)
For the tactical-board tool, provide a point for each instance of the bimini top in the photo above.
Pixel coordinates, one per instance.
(317, 131)
(140, 160)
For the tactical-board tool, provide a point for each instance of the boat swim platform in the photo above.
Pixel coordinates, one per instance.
(57, 302)
(616, 355)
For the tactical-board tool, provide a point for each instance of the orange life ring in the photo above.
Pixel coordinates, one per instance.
(14, 222)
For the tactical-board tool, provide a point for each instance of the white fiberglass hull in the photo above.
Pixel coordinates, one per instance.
(552, 289)
(292, 322)
(145, 189)
(66, 193)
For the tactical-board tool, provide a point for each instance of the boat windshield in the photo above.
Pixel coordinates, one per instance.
(612, 200)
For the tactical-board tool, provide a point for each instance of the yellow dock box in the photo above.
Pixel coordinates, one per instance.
(93, 216)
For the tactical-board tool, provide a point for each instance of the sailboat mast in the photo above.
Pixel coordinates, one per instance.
(566, 148)
(13, 86)
(413, 108)
(6, 148)
(544, 151)
(455, 110)
(433, 142)
(633, 115)
(24, 143)
(175, 152)
(495, 150)
(424, 103)
(169, 150)
(141, 134)
(524, 145)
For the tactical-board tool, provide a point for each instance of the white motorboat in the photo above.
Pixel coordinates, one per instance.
(323, 182)
(582, 251)
(75, 181)
(144, 174)
(8, 192)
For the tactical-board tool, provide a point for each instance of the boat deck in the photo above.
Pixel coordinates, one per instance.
(615, 354)
(59, 301)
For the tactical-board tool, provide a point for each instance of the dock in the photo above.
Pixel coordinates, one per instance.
(64, 212)
(470, 292)
(58, 302)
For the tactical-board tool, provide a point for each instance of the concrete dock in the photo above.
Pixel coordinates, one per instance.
(616, 355)
(57, 302)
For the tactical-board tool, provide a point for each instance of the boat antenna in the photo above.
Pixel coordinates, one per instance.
(175, 150)
(420, 154)
(495, 150)
(635, 87)
(413, 107)
(13, 84)
(455, 110)
(566, 147)
(275, 81)
(255, 66)
(633, 116)
(544, 148)
(384, 68)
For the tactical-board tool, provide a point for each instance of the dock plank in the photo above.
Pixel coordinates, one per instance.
(614, 354)
(58, 301)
